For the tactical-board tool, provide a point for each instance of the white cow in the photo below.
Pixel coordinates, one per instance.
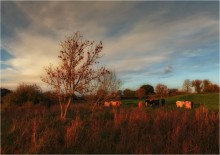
(185, 104)
(180, 104)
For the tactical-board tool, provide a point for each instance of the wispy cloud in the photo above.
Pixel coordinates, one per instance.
(140, 42)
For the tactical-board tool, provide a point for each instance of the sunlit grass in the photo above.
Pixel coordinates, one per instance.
(109, 130)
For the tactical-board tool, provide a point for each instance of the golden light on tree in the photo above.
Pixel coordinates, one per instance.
(77, 70)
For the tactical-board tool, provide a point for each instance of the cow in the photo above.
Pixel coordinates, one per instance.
(188, 104)
(116, 103)
(180, 104)
(112, 103)
(155, 102)
(140, 104)
(147, 103)
(185, 104)
(162, 101)
(107, 104)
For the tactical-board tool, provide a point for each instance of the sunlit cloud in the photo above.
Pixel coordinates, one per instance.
(141, 44)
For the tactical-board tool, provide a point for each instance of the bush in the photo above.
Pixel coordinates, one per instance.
(24, 93)
(4, 92)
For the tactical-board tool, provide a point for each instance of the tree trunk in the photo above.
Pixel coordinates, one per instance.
(61, 108)
(67, 107)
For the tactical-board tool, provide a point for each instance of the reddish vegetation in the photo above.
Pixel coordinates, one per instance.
(36, 129)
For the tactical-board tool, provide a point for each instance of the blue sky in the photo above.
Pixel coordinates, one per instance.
(144, 42)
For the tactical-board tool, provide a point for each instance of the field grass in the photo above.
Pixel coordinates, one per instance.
(122, 130)
(211, 101)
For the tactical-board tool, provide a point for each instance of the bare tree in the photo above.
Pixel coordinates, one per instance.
(198, 85)
(76, 71)
(187, 84)
(107, 87)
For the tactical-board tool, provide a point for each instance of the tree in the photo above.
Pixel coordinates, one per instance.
(129, 93)
(172, 92)
(119, 93)
(208, 87)
(140, 93)
(161, 90)
(187, 84)
(197, 84)
(107, 87)
(25, 93)
(4, 92)
(76, 71)
(148, 89)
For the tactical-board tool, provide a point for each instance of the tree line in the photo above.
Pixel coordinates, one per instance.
(161, 90)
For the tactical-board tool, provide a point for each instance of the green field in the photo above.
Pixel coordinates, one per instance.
(211, 101)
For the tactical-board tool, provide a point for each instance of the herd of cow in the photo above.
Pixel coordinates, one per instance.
(153, 103)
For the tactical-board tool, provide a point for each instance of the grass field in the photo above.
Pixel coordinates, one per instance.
(211, 101)
(122, 130)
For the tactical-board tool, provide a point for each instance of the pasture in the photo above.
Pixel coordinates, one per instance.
(211, 101)
(125, 129)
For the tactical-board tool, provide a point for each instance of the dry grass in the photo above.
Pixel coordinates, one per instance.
(36, 129)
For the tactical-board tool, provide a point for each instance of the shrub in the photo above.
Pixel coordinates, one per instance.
(24, 93)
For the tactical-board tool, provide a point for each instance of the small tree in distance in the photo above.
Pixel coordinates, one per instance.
(187, 84)
(140, 93)
(76, 71)
(149, 90)
(107, 87)
(198, 85)
(161, 90)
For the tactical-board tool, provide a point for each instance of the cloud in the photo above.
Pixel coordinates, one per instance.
(168, 69)
(139, 41)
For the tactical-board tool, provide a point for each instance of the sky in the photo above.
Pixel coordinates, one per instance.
(144, 42)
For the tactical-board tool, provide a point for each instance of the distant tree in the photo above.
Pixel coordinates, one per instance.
(161, 90)
(148, 89)
(119, 93)
(4, 92)
(108, 86)
(140, 93)
(76, 71)
(129, 93)
(172, 92)
(197, 84)
(206, 83)
(187, 84)
(208, 87)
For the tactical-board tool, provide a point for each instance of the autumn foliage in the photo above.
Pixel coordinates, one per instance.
(77, 70)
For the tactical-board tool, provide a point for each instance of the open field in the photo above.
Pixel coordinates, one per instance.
(211, 101)
(126, 129)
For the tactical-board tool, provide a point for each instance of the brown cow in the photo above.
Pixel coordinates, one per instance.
(107, 104)
(140, 104)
